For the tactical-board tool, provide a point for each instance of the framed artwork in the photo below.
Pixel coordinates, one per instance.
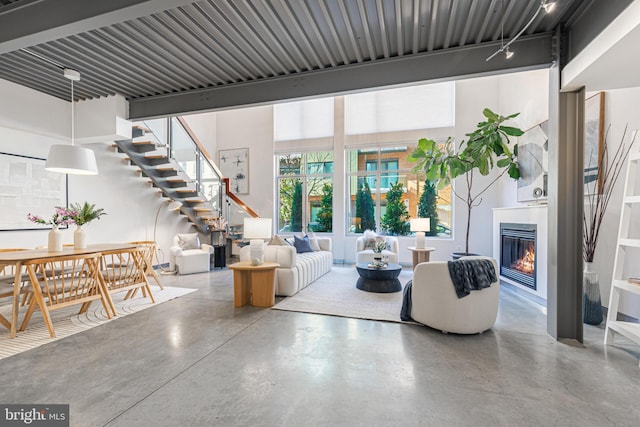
(27, 188)
(533, 160)
(234, 164)
(593, 141)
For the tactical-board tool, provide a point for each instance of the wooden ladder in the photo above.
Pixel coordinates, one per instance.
(620, 286)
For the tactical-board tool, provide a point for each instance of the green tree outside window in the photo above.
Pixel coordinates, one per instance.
(296, 207)
(365, 209)
(428, 206)
(396, 219)
(325, 215)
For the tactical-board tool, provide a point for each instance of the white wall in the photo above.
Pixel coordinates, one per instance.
(253, 128)
(528, 94)
(29, 123)
(204, 125)
(621, 109)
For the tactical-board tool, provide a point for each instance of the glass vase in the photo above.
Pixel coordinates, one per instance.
(591, 304)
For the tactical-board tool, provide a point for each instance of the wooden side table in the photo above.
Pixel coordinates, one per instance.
(420, 254)
(254, 284)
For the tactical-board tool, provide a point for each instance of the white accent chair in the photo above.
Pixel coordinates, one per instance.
(364, 255)
(188, 256)
(434, 301)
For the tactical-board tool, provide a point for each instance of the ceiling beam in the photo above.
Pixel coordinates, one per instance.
(531, 52)
(31, 22)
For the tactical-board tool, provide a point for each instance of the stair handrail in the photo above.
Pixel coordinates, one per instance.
(239, 201)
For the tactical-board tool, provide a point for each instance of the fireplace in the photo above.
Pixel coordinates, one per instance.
(518, 253)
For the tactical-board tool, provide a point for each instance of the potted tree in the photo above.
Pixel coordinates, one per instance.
(486, 148)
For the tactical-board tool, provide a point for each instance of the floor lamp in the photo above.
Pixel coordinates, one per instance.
(174, 205)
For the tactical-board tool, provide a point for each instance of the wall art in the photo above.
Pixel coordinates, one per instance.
(234, 164)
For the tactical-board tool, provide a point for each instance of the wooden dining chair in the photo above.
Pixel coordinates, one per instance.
(148, 248)
(63, 281)
(7, 280)
(123, 270)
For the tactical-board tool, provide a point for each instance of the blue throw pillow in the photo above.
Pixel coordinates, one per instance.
(302, 245)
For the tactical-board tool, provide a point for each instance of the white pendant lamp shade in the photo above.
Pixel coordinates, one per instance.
(71, 159)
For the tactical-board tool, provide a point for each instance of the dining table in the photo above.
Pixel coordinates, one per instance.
(18, 258)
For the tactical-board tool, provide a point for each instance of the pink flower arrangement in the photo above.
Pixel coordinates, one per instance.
(61, 216)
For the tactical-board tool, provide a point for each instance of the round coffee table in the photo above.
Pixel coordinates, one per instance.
(382, 280)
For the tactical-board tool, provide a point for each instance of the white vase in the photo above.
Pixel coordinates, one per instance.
(55, 240)
(79, 238)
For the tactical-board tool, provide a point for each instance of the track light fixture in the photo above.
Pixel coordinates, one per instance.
(548, 6)
(545, 5)
(507, 53)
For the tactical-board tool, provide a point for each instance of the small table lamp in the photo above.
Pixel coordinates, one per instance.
(257, 229)
(420, 225)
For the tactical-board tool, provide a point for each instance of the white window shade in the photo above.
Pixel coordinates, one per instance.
(304, 119)
(417, 107)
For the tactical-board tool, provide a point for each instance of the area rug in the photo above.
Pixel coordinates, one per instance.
(336, 294)
(66, 322)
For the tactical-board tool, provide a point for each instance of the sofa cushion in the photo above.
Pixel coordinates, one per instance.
(189, 241)
(277, 241)
(302, 245)
(313, 242)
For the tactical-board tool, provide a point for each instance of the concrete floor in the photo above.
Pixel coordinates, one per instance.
(197, 361)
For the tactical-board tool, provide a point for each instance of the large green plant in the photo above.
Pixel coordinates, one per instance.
(396, 218)
(325, 215)
(428, 206)
(485, 149)
(365, 209)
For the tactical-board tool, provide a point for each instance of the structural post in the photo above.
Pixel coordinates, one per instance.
(566, 194)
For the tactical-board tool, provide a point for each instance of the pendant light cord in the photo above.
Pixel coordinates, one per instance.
(73, 116)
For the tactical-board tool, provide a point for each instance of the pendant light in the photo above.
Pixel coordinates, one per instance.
(71, 159)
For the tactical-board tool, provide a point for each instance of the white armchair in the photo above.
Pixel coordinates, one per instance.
(434, 301)
(188, 256)
(364, 254)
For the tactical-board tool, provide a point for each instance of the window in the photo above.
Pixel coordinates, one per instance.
(303, 119)
(417, 107)
(378, 177)
(305, 192)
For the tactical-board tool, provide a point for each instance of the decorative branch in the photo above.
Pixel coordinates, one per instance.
(598, 199)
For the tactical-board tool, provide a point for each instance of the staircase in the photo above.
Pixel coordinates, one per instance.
(165, 174)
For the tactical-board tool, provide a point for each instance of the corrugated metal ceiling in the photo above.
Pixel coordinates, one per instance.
(213, 43)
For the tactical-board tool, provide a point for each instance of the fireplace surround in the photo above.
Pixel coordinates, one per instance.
(531, 215)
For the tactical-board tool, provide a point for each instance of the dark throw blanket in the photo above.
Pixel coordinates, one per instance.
(405, 311)
(471, 275)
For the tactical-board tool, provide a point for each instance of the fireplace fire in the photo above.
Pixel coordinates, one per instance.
(518, 253)
(527, 263)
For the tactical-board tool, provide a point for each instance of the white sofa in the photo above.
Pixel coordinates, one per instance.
(434, 301)
(296, 271)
